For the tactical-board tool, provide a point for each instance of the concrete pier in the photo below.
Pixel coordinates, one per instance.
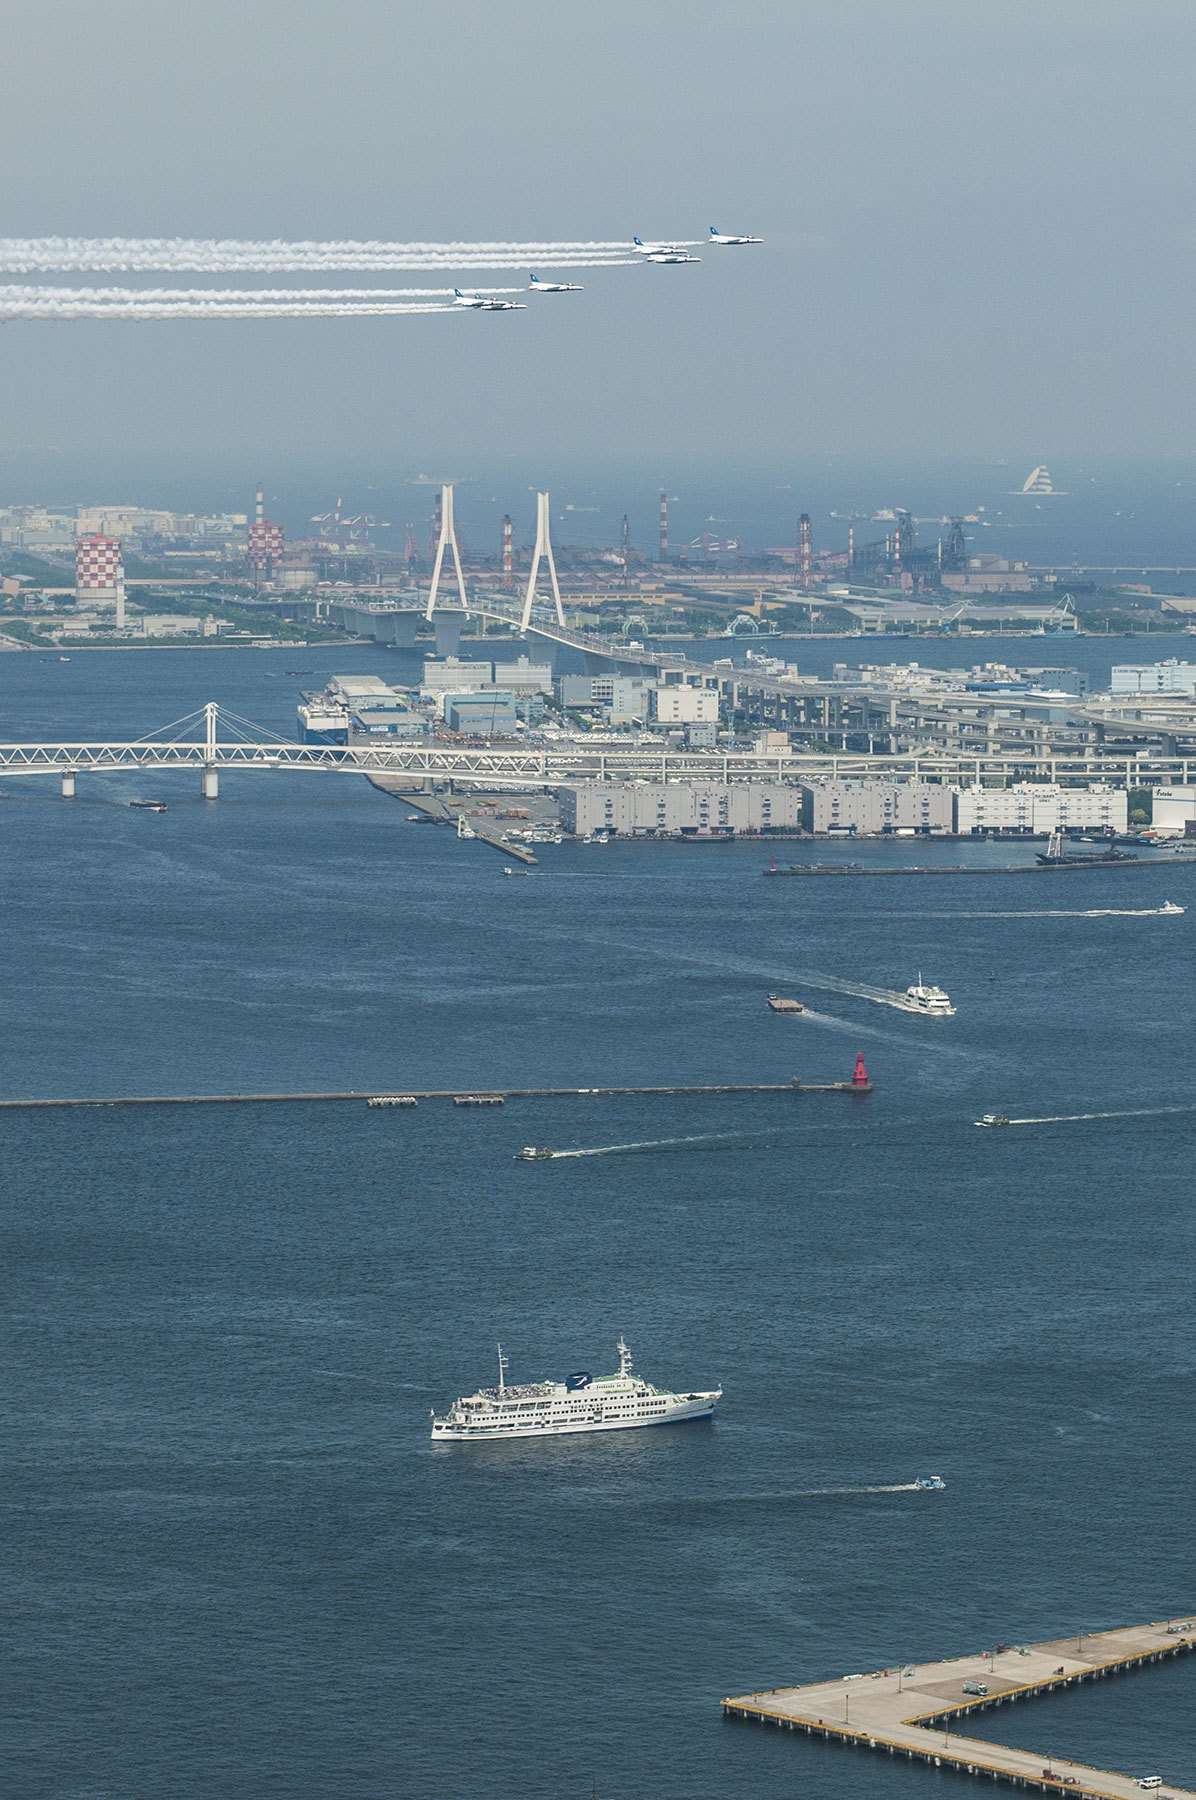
(434, 808)
(569, 1093)
(909, 1710)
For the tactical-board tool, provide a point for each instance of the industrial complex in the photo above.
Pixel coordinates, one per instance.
(532, 677)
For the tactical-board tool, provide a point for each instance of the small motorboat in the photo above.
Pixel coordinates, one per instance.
(991, 1119)
(534, 1153)
(1170, 907)
(930, 1483)
(149, 805)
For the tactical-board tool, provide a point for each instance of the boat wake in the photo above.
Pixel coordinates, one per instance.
(1092, 912)
(1136, 1112)
(708, 1137)
(722, 1502)
(890, 1487)
(860, 990)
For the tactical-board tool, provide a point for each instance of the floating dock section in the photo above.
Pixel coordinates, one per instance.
(909, 1710)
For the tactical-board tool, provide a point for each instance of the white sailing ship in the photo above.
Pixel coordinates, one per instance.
(582, 1402)
(1038, 481)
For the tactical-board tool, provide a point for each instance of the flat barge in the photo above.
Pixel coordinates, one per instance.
(908, 1710)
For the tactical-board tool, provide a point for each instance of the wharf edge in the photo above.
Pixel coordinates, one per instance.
(811, 869)
(889, 1718)
(565, 1093)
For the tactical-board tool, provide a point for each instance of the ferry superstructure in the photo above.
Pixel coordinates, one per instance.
(581, 1403)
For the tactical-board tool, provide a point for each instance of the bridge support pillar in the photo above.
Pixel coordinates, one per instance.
(68, 784)
(209, 782)
(448, 633)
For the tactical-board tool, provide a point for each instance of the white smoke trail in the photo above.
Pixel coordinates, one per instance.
(184, 296)
(195, 309)
(216, 255)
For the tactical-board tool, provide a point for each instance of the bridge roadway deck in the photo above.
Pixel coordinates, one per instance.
(559, 764)
(910, 1713)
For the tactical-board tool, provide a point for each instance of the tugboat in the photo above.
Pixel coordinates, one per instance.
(991, 1119)
(1054, 858)
(534, 1153)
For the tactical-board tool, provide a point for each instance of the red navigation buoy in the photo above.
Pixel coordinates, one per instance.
(859, 1075)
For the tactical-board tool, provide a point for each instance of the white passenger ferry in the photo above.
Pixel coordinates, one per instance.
(932, 1000)
(582, 1402)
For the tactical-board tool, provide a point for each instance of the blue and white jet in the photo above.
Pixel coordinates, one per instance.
(554, 287)
(484, 303)
(664, 253)
(722, 237)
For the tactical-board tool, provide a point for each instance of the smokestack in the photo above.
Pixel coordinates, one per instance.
(805, 560)
(851, 546)
(664, 526)
(120, 596)
(259, 511)
(508, 553)
(626, 548)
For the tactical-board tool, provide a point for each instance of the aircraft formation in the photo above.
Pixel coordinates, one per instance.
(212, 256)
(654, 253)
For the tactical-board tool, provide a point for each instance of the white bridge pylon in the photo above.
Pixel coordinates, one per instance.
(543, 548)
(446, 540)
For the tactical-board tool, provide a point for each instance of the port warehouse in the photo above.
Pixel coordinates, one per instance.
(852, 808)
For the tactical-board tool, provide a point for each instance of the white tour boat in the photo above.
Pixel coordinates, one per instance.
(582, 1402)
(932, 1000)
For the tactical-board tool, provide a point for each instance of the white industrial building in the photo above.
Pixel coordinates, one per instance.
(1170, 677)
(1173, 811)
(683, 704)
(685, 808)
(452, 674)
(874, 808)
(1039, 808)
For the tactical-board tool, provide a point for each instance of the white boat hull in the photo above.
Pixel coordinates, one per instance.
(700, 1407)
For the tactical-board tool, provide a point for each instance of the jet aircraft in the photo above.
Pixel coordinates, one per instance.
(481, 303)
(664, 253)
(722, 237)
(554, 287)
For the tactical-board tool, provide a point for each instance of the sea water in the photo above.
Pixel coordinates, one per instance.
(236, 1566)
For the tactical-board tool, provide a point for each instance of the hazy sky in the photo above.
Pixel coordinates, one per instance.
(978, 213)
